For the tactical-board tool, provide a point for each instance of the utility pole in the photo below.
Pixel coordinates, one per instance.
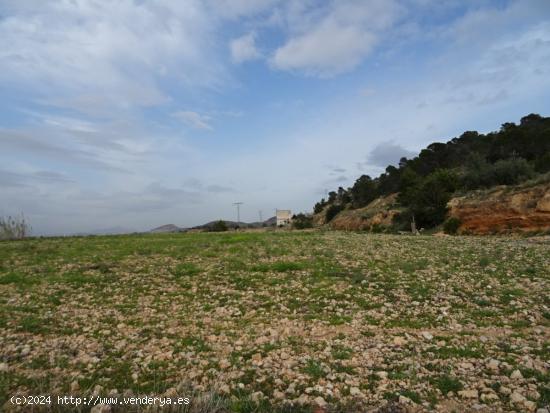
(238, 204)
(260, 212)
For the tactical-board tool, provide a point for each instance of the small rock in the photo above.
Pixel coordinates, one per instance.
(382, 374)
(225, 389)
(354, 391)
(428, 336)
(516, 375)
(279, 395)
(468, 394)
(101, 408)
(302, 400)
(489, 397)
(320, 401)
(75, 386)
(529, 405)
(466, 365)
(171, 392)
(515, 397)
(256, 396)
(543, 411)
(493, 365)
(399, 341)
(505, 390)
(4, 367)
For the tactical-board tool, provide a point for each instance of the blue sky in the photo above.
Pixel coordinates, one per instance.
(134, 114)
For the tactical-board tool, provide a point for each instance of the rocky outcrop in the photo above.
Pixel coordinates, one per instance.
(500, 210)
(376, 215)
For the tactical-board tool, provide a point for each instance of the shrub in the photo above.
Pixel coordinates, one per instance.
(219, 226)
(332, 211)
(302, 221)
(319, 206)
(447, 383)
(14, 228)
(428, 201)
(451, 225)
(502, 172)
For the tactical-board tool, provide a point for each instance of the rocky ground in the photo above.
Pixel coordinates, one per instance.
(280, 321)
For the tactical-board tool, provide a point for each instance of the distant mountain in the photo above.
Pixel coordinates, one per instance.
(233, 224)
(171, 228)
(168, 228)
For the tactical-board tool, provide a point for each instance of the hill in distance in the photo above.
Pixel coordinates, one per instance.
(171, 228)
(168, 228)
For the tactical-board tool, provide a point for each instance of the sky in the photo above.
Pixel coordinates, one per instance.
(131, 114)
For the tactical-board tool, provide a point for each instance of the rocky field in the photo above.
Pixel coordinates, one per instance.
(280, 321)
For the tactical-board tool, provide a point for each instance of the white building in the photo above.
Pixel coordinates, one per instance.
(284, 216)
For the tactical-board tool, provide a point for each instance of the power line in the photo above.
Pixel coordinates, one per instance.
(238, 204)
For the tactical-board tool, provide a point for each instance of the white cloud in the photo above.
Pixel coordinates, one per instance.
(326, 51)
(110, 55)
(244, 48)
(335, 41)
(194, 119)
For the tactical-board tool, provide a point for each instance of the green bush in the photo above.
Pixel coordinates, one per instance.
(302, 221)
(332, 211)
(451, 225)
(503, 172)
(219, 226)
(428, 200)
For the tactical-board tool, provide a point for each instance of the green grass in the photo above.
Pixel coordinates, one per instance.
(269, 312)
(314, 369)
(447, 383)
(186, 269)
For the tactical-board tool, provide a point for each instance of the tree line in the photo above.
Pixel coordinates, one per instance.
(425, 184)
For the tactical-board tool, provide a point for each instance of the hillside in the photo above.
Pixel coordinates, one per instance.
(378, 215)
(422, 188)
(168, 228)
(504, 209)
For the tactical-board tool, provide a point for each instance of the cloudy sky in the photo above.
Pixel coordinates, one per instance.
(138, 113)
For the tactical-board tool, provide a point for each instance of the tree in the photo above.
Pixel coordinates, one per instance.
(302, 221)
(343, 196)
(363, 191)
(219, 226)
(408, 185)
(429, 199)
(319, 206)
(509, 156)
(332, 211)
